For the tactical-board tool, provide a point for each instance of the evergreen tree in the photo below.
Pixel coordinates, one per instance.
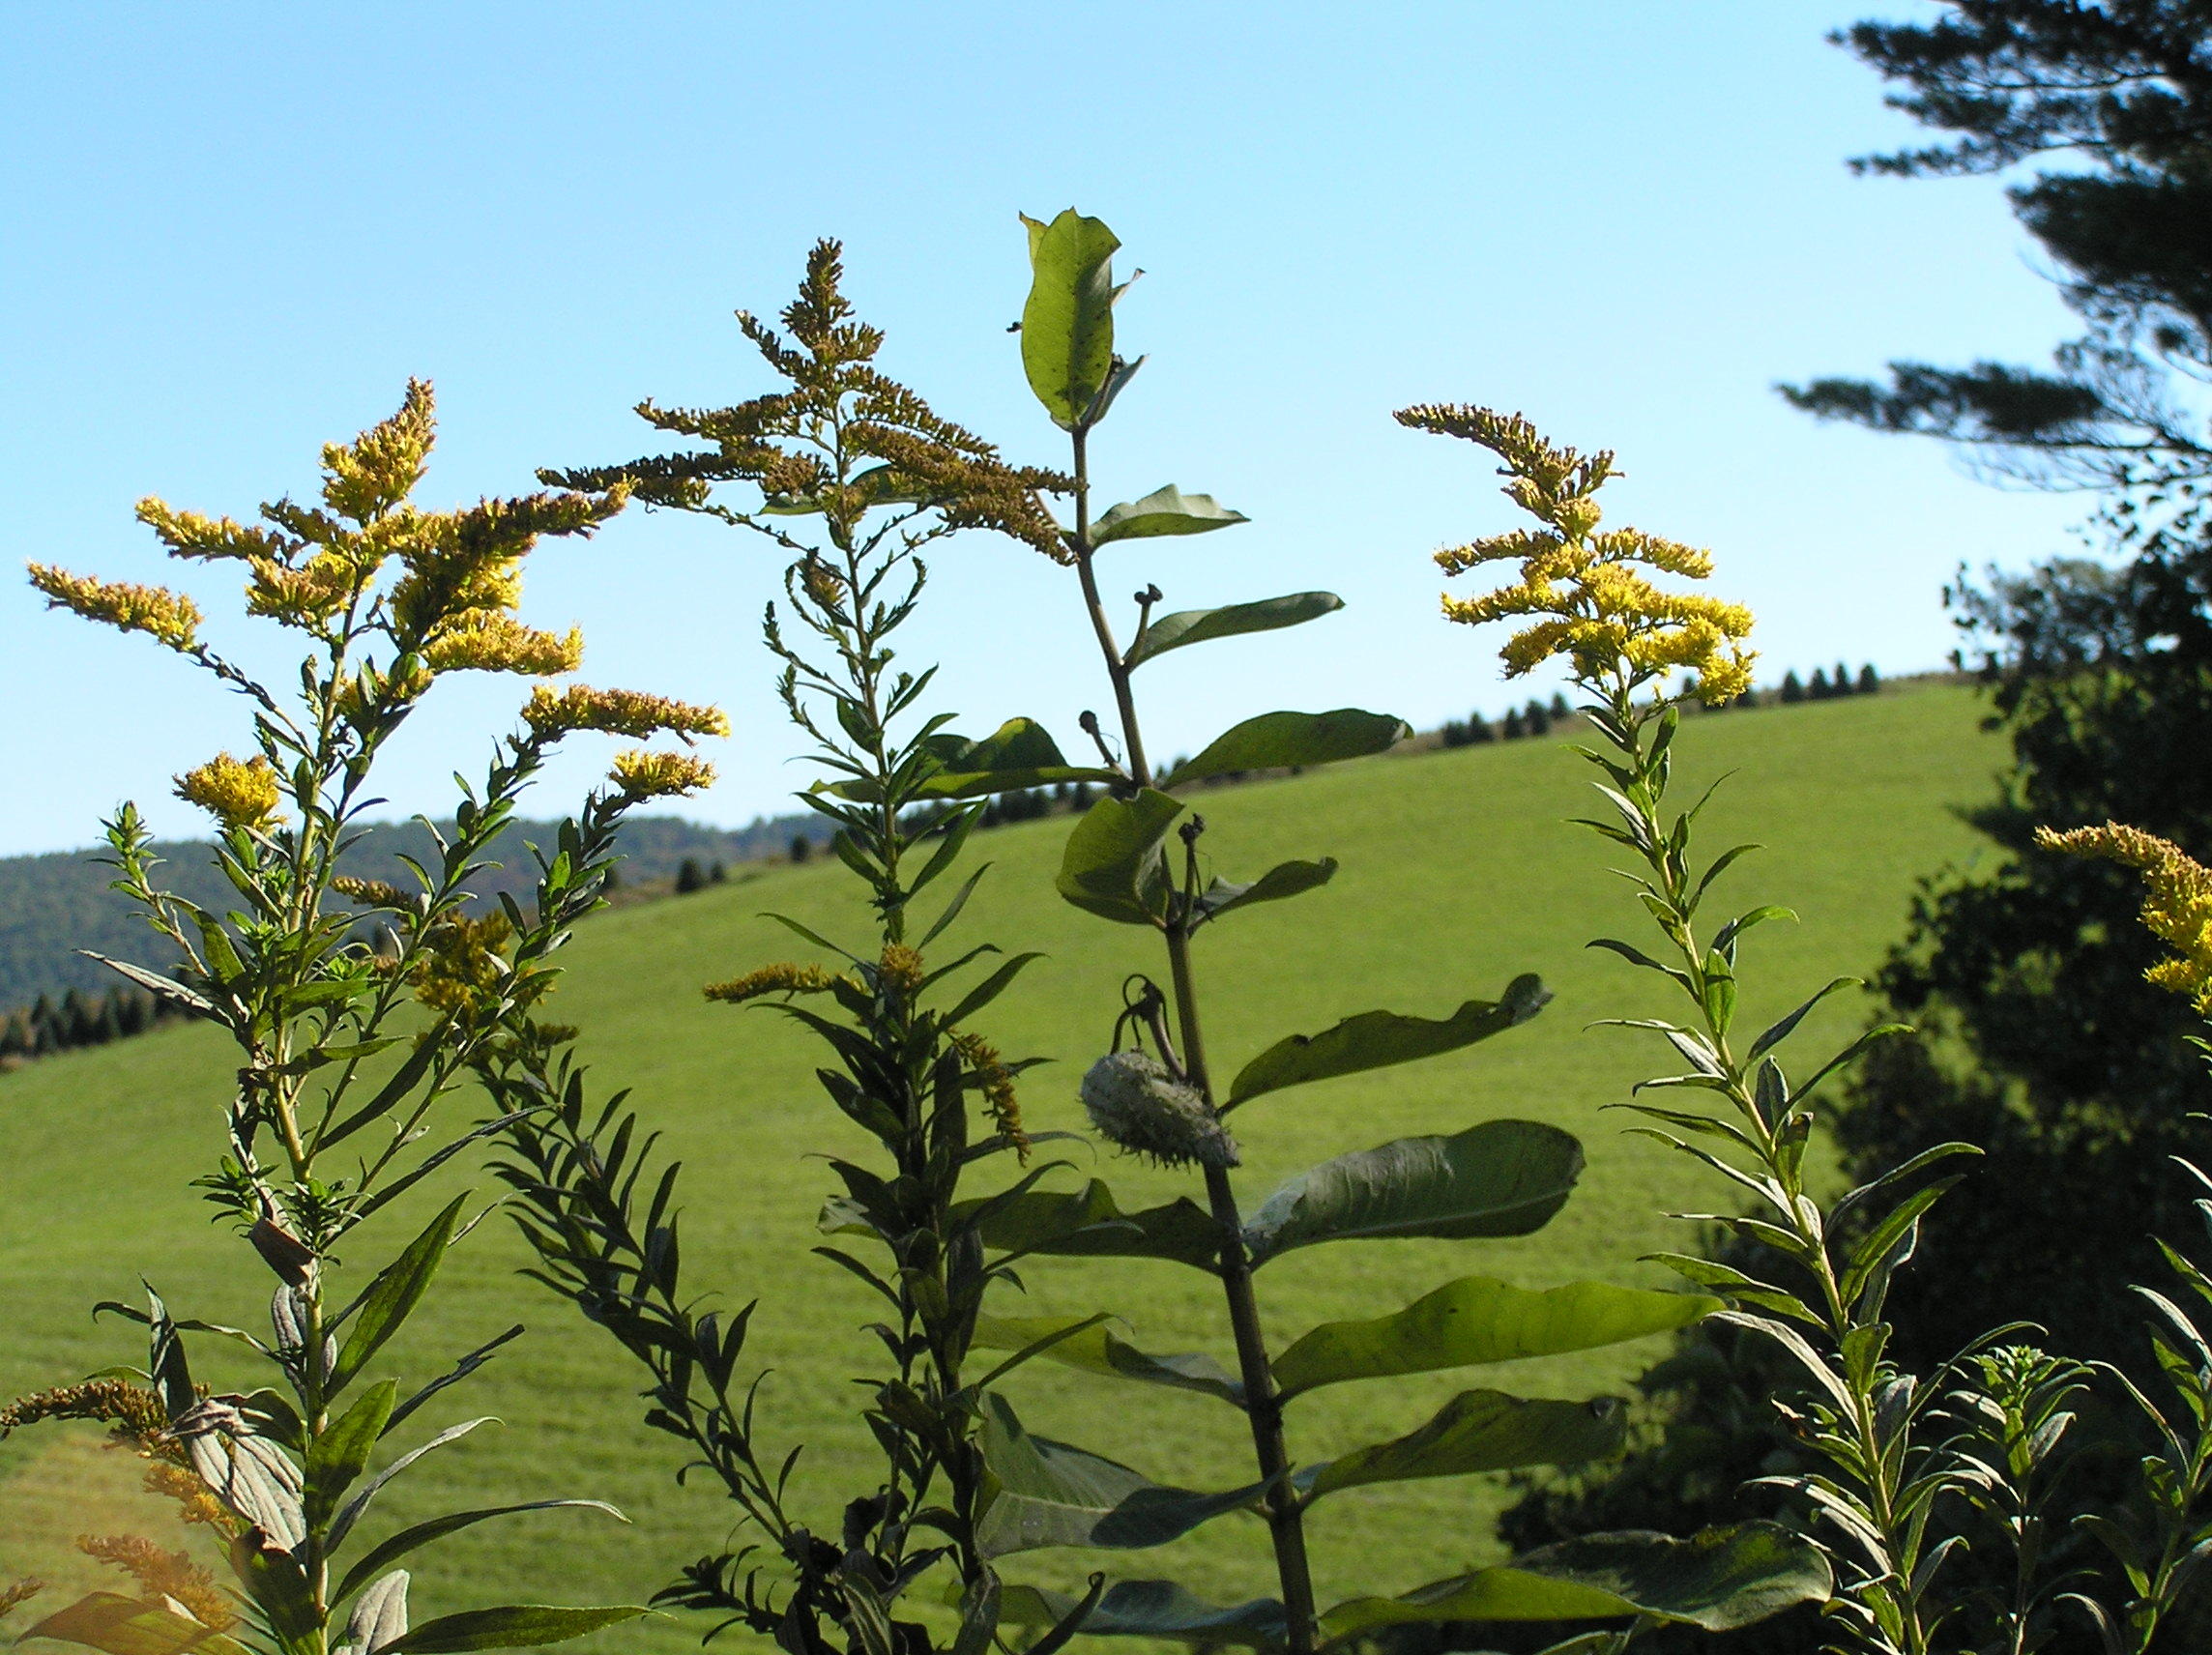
(1870, 682)
(691, 877)
(1079, 800)
(1817, 689)
(1514, 728)
(1749, 698)
(1841, 683)
(802, 847)
(718, 874)
(1560, 708)
(106, 1024)
(1793, 687)
(133, 1011)
(46, 1030)
(15, 1035)
(77, 1018)
(1536, 718)
(1480, 730)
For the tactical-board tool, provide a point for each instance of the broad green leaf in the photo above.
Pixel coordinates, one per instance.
(1480, 1320)
(129, 1626)
(390, 1550)
(1480, 1430)
(393, 1297)
(1020, 753)
(1089, 1224)
(1098, 1349)
(511, 1626)
(1167, 511)
(1503, 1177)
(1718, 1580)
(1283, 879)
(1278, 741)
(1068, 324)
(1149, 1609)
(341, 1454)
(1114, 867)
(1377, 1039)
(1052, 1493)
(1204, 625)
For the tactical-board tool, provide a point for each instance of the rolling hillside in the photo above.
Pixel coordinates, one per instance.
(1459, 872)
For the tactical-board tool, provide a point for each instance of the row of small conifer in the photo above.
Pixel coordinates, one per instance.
(81, 1018)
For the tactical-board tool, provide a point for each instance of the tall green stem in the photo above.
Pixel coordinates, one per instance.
(1262, 1405)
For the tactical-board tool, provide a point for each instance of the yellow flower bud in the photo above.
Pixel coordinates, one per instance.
(236, 795)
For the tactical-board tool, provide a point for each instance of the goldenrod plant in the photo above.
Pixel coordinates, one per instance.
(851, 477)
(356, 1005)
(1138, 858)
(1586, 594)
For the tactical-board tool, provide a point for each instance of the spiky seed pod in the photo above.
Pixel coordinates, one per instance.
(1134, 1101)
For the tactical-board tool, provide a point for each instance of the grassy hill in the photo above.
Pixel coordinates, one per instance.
(1459, 871)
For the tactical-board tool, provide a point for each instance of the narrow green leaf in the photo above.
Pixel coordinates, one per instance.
(1278, 741)
(1114, 867)
(1283, 879)
(1503, 1178)
(341, 1454)
(1781, 1032)
(388, 1551)
(1151, 1609)
(1068, 324)
(395, 1294)
(1480, 1320)
(1204, 625)
(1480, 1430)
(1718, 1580)
(1052, 1493)
(1098, 1349)
(1169, 510)
(511, 1626)
(1376, 1039)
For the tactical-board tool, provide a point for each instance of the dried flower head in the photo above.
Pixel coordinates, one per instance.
(2177, 905)
(641, 775)
(1136, 1102)
(900, 967)
(618, 711)
(463, 964)
(780, 979)
(1582, 587)
(237, 795)
(494, 642)
(15, 1597)
(161, 1574)
(372, 893)
(169, 617)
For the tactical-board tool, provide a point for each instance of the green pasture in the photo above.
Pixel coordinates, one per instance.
(1459, 871)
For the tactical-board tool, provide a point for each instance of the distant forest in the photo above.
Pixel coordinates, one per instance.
(53, 904)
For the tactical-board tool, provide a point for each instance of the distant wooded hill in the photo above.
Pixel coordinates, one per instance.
(53, 904)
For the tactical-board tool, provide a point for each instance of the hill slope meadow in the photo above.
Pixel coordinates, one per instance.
(1459, 871)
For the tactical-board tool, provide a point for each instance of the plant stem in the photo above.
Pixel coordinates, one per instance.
(1263, 1405)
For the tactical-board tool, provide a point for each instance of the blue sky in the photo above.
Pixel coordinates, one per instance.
(228, 233)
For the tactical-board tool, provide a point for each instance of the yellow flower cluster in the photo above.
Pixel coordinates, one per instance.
(164, 1575)
(372, 893)
(642, 774)
(170, 616)
(618, 711)
(314, 592)
(1580, 588)
(237, 795)
(998, 1083)
(462, 963)
(783, 979)
(2176, 908)
(491, 641)
(900, 967)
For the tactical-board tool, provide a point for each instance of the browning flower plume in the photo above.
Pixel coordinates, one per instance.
(618, 711)
(169, 617)
(1581, 589)
(236, 794)
(162, 1573)
(783, 978)
(2177, 905)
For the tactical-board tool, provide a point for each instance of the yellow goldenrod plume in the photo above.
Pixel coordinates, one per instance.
(1581, 589)
(490, 640)
(555, 712)
(462, 963)
(380, 468)
(900, 967)
(236, 795)
(997, 1081)
(2176, 908)
(781, 978)
(167, 617)
(642, 774)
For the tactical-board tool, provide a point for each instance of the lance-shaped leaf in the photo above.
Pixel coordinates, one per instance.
(1718, 1580)
(1278, 741)
(1377, 1039)
(509, 1626)
(1166, 511)
(1204, 625)
(1480, 1430)
(1020, 753)
(1478, 1320)
(1114, 867)
(1068, 324)
(1283, 879)
(1151, 1609)
(1052, 1493)
(389, 1551)
(129, 1626)
(1096, 1348)
(1503, 1178)
(393, 1297)
(1090, 1224)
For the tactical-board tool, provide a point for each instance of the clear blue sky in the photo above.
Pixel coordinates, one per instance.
(228, 233)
